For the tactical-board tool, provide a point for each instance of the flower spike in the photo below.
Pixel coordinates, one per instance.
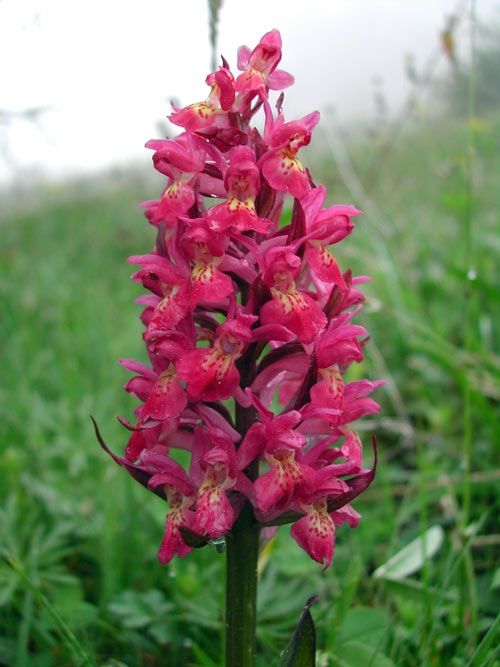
(249, 327)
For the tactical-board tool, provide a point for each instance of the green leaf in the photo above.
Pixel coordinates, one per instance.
(345, 600)
(412, 557)
(357, 654)
(417, 591)
(367, 625)
(138, 610)
(69, 603)
(495, 580)
(301, 649)
(71, 641)
(8, 584)
(482, 655)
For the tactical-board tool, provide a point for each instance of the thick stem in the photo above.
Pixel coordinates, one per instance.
(242, 551)
(241, 590)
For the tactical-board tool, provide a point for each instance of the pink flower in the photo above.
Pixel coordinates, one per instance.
(280, 165)
(248, 327)
(161, 392)
(211, 373)
(242, 182)
(259, 66)
(179, 516)
(323, 228)
(181, 161)
(315, 532)
(180, 496)
(293, 308)
(205, 251)
(201, 115)
(214, 464)
(276, 439)
(326, 506)
(163, 279)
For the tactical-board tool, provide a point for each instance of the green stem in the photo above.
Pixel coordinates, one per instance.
(242, 552)
(469, 613)
(241, 590)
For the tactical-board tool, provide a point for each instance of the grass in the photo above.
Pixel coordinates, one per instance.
(79, 580)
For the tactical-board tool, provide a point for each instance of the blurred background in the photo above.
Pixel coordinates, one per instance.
(84, 86)
(409, 94)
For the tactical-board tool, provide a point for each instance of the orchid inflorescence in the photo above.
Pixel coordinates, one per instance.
(247, 326)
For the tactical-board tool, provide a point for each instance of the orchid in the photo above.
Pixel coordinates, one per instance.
(259, 66)
(248, 329)
(280, 165)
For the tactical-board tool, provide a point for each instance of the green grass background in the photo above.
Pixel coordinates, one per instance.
(79, 579)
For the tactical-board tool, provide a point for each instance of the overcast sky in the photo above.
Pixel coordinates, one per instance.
(107, 68)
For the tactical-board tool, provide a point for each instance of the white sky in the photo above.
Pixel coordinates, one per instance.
(107, 68)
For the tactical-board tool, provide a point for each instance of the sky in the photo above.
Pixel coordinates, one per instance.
(106, 70)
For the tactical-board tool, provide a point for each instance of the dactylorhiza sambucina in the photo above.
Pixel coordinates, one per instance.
(248, 326)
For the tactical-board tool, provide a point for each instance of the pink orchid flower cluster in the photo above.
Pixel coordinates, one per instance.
(248, 326)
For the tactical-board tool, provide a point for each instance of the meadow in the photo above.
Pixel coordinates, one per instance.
(417, 583)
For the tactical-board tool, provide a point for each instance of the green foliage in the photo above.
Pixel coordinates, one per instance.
(301, 649)
(79, 579)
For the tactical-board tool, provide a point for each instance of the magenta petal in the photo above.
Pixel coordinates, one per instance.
(243, 57)
(214, 513)
(324, 265)
(315, 533)
(329, 392)
(270, 490)
(346, 514)
(138, 367)
(208, 284)
(166, 315)
(252, 446)
(279, 80)
(312, 204)
(140, 387)
(173, 543)
(275, 488)
(298, 313)
(209, 375)
(272, 331)
(167, 399)
(286, 174)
